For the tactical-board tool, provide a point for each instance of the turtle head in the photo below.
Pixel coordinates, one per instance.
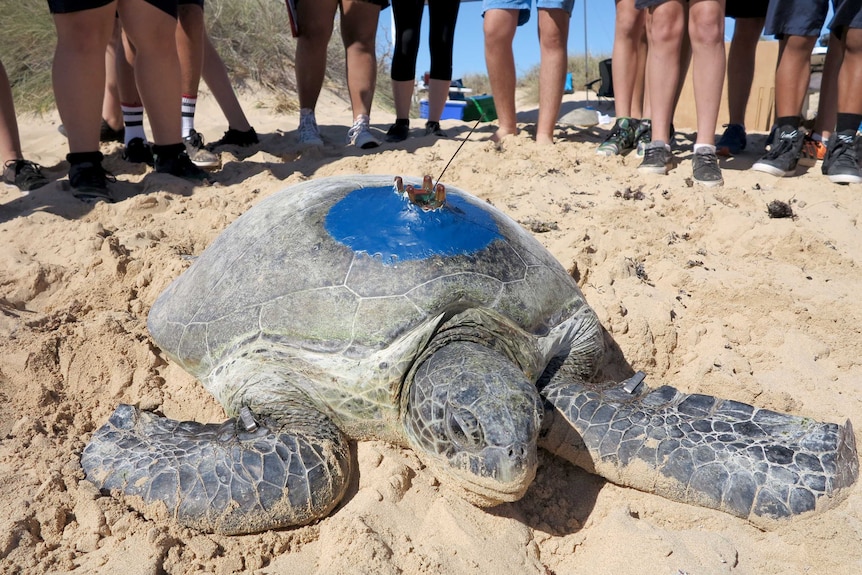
(474, 417)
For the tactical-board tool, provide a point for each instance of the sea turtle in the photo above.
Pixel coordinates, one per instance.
(348, 308)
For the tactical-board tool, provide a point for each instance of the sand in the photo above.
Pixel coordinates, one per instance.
(699, 287)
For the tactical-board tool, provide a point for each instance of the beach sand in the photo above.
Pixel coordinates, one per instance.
(698, 287)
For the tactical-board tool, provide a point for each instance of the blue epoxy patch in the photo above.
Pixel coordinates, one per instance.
(383, 223)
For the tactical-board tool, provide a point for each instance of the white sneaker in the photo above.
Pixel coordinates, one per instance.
(360, 135)
(309, 133)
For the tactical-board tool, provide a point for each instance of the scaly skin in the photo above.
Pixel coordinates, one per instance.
(749, 462)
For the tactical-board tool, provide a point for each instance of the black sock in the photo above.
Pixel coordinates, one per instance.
(169, 150)
(85, 157)
(402, 121)
(792, 121)
(848, 122)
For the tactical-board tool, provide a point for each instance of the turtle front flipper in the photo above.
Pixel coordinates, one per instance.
(219, 477)
(749, 462)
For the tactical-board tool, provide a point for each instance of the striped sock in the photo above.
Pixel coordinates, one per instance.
(133, 119)
(189, 103)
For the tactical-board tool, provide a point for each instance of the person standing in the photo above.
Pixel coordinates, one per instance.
(501, 20)
(23, 174)
(443, 15)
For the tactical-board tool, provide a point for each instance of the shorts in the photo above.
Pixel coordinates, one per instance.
(796, 18)
(646, 4)
(69, 6)
(196, 2)
(746, 8)
(523, 7)
(848, 14)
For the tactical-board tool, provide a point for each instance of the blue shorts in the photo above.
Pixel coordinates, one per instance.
(848, 14)
(796, 17)
(524, 6)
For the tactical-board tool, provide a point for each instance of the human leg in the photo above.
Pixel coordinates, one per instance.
(359, 35)
(214, 73)
(442, 15)
(112, 115)
(315, 21)
(408, 24)
(499, 27)
(16, 171)
(553, 39)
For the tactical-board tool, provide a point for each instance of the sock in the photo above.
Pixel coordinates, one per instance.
(85, 157)
(659, 144)
(402, 121)
(704, 149)
(792, 121)
(848, 122)
(189, 103)
(133, 119)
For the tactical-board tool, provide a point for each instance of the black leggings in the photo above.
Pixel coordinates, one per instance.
(408, 23)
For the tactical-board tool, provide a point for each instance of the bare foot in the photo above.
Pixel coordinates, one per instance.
(497, 137)
(544, 140)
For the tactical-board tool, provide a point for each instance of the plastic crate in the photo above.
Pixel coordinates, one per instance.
(480, 108)
(451, 111)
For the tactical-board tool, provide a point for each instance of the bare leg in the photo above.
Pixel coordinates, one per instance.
(215, 75)
(665, 29)
(740, 66)
(553, 38)
(827, 111)
(78, 72)
(10, 141)
(157, 68)
(627, 74)
(792, 74)
(315, 20)
(706, 30)
(190, 47)
(499, 28)
(111, 111)
(359, 33)
(850, 76)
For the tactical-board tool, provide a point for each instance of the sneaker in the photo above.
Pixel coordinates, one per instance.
(89, 182)
(108, 134)
(841, 164)
(235, 138)
(24, 175)
(199, 155)
(181, 166)
(657, 158)
(813, 151)
(783, 154)
(705, 170)
(643, 136)
(309, 133)
(398, 132)
(732, 141)
(621, 138)
(360, 135)
(137, 151)
(433, 128)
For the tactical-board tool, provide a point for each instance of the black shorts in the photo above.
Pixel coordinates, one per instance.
(198, 2)
(796, 18)
(68, 6)
(746, 8)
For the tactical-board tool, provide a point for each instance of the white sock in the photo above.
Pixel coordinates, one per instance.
(133, 120)
(704, 149)
(188, 109)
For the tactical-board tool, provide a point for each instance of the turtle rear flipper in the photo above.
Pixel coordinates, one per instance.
(219, 477)
(749, 462)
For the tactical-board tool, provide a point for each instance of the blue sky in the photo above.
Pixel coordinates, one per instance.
(469, 46)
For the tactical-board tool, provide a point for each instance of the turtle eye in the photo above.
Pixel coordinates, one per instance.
(464, 429)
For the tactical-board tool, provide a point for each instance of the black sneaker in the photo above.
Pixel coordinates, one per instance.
(841, 163)
(783, 154)
(108, 134)
(705, 170)
(175, 161)
(24, 175)
(235, 138)
(398, 132)
(433, 128)
(200, 156)
(657, 158)
(138, 151)
(89, 182)
(732, 141)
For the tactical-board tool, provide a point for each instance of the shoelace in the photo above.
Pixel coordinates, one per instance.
(358, 127)
(308, 127)
(785, 144)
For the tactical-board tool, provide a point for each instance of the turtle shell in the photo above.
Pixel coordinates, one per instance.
(348, 266)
